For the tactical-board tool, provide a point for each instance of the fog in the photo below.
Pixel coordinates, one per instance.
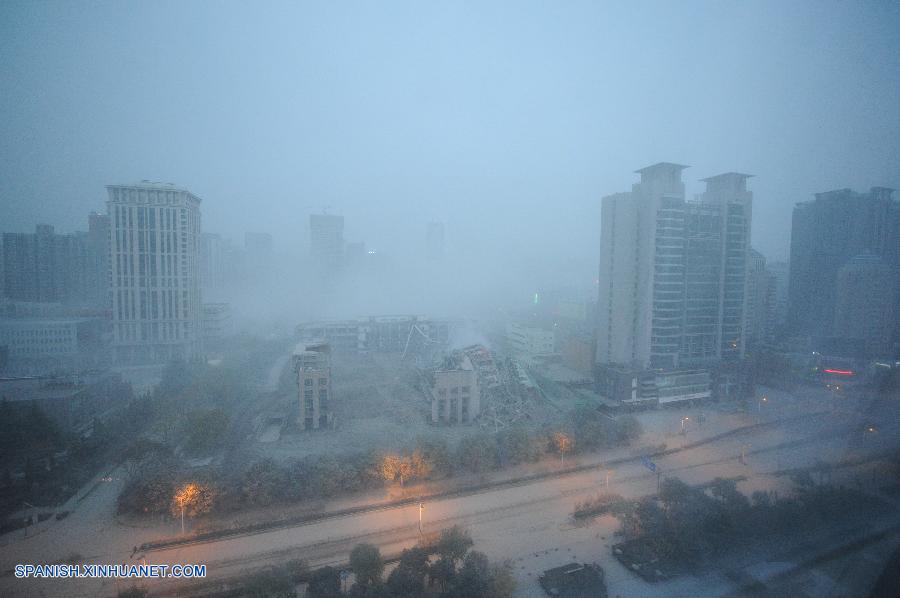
(506, 122)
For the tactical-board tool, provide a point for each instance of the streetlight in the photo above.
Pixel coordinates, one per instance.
(744, 448)
(759, 403)
(684, 419)
(607, 478)
(421, 508)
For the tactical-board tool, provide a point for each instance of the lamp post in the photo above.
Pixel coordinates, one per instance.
(759, 403)
(684, 419)
(421, 508)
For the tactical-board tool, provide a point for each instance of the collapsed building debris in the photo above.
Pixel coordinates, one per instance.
(420, 337)
(502, 392)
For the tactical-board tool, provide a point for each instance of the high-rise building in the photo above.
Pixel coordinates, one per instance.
(864, 303)
(760, 311)
(47, 267)
(212, 264)
(98, 260)
(826, 233)
(673, 273)
(779, 273)
(434, 241)
(326, 240)
(155, 272)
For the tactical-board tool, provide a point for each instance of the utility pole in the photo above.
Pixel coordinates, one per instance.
(658, 475)
(182, 517)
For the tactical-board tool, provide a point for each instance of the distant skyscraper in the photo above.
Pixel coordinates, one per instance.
(760, 310)
(828, 232)
(434, 241)
(326, 245)
(779, 273)
(155, 267)
(864, 303)
(98, 260)
(673, 273)
(212, 266)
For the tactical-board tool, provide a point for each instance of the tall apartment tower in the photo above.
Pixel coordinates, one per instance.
(312, 364)
(865, 292)
(154, 272)
(728, 195)
(826, 233)
(672, 272)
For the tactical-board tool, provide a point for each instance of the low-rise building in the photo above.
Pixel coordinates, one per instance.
(629, 387)
(453, 390)
(312, 364)
(55, 342)
(530, 341)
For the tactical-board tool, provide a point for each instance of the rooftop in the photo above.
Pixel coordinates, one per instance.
(661, 167)
(726, 176)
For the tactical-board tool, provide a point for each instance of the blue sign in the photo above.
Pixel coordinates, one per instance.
(344, 575)
(648, 463)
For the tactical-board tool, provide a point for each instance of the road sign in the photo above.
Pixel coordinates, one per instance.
(344, 575)
(648, 463)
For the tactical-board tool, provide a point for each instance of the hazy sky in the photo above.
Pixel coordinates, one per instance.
(508, 120)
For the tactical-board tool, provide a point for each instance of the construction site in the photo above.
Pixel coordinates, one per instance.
(394, 379)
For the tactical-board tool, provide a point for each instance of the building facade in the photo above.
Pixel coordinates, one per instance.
(47, 267)
(760, 310)
(55, 342)
(154, 273)
(865, 303)
(312, 364)
(530, 341)
(826, 233)
(454, 393)
(672, 284)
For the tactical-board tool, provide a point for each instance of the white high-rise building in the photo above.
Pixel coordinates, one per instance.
(154, 273)
(673, 272)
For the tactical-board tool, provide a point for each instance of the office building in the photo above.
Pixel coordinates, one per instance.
(760, 310)
(312, 364)
(865, 293)
(40, 344)
(826, 233)
(47, 267)
(155, 273)
(530, 341)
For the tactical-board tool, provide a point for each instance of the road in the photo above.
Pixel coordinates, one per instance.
(528, 524)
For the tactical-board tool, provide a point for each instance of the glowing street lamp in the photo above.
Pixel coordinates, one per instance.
(684, 419)
(185, 496)
(759, 404)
